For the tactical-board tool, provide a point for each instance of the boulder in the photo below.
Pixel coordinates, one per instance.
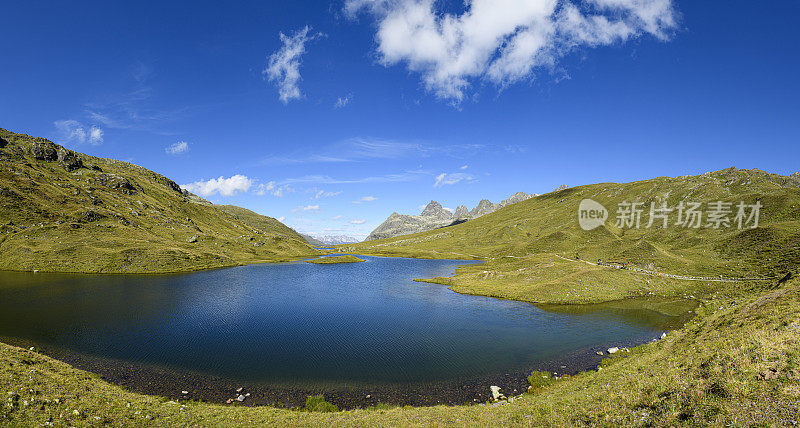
(495, 392)
(613, 350)
(192, 240)
(561, 187)
(69, 159)
(42, 149)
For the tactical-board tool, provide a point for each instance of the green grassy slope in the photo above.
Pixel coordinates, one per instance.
(76, 213)
(530, 247)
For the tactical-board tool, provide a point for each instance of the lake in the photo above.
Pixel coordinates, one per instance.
(301, 324)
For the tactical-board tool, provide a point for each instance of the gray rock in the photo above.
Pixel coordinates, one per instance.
(42, 149)
(435, 210)
(561, 187)
(484, 207)
(240, 398)
(192, 240)
(495, 392)
(462, 212)
(435, 216)
(69, 159)
(613, 350)
(516, 197)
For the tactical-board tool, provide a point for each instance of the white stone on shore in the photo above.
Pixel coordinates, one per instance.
(495, 392)
(613, 350)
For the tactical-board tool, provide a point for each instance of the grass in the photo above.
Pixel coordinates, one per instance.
(116, 217)
(335, 259)
(317, 403)
(529, 248)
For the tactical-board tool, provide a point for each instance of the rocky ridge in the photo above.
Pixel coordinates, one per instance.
(434, 216)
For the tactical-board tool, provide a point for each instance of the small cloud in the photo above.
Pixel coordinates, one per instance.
(450, 210)
(337, 217)
(343, 101)
(281, 219)
(358, 221)
(72, 131)
(272, 189)
(283, 68)
(222, 186)
(177, 148)
(463, 167)
(452, 178)
(323, 194)
(306, 208)
(365, 199)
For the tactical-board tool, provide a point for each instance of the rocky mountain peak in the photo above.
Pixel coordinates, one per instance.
(516, 197)
(461, 212)
(561, 187)
(484, 207)
(435, 210)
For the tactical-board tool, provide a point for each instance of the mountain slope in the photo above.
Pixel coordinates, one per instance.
(65, 211)
(529, 247)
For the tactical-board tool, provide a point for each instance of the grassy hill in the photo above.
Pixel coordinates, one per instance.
(69, 212)
(530, 247)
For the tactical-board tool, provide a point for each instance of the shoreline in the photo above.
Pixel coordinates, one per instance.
(170, 383)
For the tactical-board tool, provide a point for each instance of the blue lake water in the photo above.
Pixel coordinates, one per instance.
(307, 324)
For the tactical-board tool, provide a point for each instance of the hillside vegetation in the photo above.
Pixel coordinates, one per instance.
(69, 212)
(530, 247)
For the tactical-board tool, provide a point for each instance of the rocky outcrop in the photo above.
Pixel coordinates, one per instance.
(3, 143)
(434, 210)
(435, 216)
(42, 149)
(45, 150)
(462, 212)
(516, 197)
(116, 182)
(484, 207)
(69, 159)
(561, 187)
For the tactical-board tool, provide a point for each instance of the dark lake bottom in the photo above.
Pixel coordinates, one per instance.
(285, 331)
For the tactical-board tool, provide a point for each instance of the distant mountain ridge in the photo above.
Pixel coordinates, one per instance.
(434, 216)
(320, 240)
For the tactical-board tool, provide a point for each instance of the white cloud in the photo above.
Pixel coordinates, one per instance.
(177, 148)
(343, 101)
(306, 208)
(502, 41)
(365, 199)
(450, 210)
(272, 189)
(451, 178)
(358, 221)
(324, 194)
(281, 219)
(463, 167)
(337, 217)
(72, 131)
(283, 67)
(223, 186)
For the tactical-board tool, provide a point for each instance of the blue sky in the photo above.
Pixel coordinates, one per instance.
(362, 106)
